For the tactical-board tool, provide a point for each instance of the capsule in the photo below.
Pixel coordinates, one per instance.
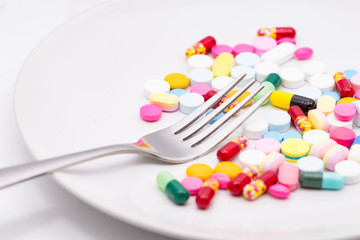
(237, 185)
(206, 193)
(172, 188)
(285, 100)
(299, 119)
(202, 47)
(227, 152)
(259, 186)
(322, 180)
(343, 85)
(277, 32)
(271, 83)
(209, 95)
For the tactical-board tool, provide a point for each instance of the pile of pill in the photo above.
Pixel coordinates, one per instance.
(323, 152)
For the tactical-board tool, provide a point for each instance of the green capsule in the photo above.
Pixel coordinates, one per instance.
(322, 180)
(173, 188)
(267, 88)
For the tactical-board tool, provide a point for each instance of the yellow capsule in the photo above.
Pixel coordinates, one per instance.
(223, 64)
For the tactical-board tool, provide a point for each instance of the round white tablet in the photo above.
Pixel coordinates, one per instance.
(201, 75)
(310, 92)
(219, 83)
(292, 77)
(240, 70)
(251, 157)
(313, 68)
(322, 81)
(350, 170)
(356, 120)
(247, 59)
(280, 54)
(255, 128)
(153, 86)
(334, 122)
(315, 135)
(200, 61)
(278, 120)
(190, 101)
(310, 164)
(263, 69)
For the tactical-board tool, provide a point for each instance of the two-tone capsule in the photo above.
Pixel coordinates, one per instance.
(299, 119)
(322, 180)
(231, 149)
(285, 100)
(172, 188)
(343, 85)
(277, 32)
(271, 83)
(206, 193)
(236, 186)
(202, 47)
(259, 186)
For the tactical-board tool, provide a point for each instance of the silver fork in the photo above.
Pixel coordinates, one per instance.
(187, 139)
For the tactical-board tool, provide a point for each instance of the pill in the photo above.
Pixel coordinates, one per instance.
(271, 82)
(150, 112)
(263, 44)
(232, 148)
(320, 148)
(349, 73)
(199, 170)
(178, 91)
(202, 47)
(291, 134)
(222, 179)
(322, 180)
(286, 40)
(206, 193)
(209, 95)
(335, 123)
(267, 145)
(249, 59)
(315, 135)
(201, 75)
(303, 53)
(274, 135)
(192, 184)
(230, 169)
(292, 77)
(347, 100)
(172, 188)
(356, 104)
(357, 94)
(343, 136)
(168, 102)
(344, 111)
(223, 64)
(200, 88)
(356, 120)
(335, 95)
(255, 128)
(285, 100)
(251, 157)
(237, 185)
(310, 164)
(272, 162)
(335, 155)
(355, 81)
(263, 69)
(354, 153)
(294, 149)
(217, 117)
(237, 101)
(219, 83)
(323, 82)
(343, 85)
(356, 141)
(277, 32)
(311, 68)
(326, 104)
(310, 92)
(280, 54)
(350, 170)
(153, 86)
(288, 175)
(279, 191)
(177, 80)
(242, 47)
(200, 61)
(190, 101)
(220, 48)
(237, 71)
(318, 120)
(259, 186)
(299, 119)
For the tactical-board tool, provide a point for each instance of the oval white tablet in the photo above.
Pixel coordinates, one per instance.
(240, 70)
(219, 83)
(322, 81)
(311, 68)
(310, 164)
(292, 77)
(315, 135)
(278, 120)
(350, 170)
(280, 54)
(247, 59)
(201, 75)
(263, 69)
(200, 61)
(251, 157)
(189, 102)
(310, 92)
(334, 122)
(255, 128)
(154, 86)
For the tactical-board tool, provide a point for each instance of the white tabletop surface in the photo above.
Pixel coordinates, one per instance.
(40, 209)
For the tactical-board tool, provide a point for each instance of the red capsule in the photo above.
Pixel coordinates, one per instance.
(343, 85)
(202, 47)
(206, 193)
(277, 32)
(299, 119)
(237, 185)
(258, 187)
(227, 152)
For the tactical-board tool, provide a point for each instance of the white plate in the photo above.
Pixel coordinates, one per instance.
(81, 87)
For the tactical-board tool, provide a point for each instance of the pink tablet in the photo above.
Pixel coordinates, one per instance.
(263, 44)
(343, 136)
(150, 112)
(223, 180)
(200, 88)
(220, 48)
(192, 184)
(243, 47)
(279, 191)
(345, 111)
(267, 145)
(288, 175)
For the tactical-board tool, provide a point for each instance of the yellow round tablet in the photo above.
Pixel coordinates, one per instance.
(230, 169)
(347, 100)
(199, 170)
(326, 104)
(177, 80)
(242, 96)
(223, 64)
(295, 147)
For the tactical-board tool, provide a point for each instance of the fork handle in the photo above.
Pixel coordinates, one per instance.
(23, 172)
